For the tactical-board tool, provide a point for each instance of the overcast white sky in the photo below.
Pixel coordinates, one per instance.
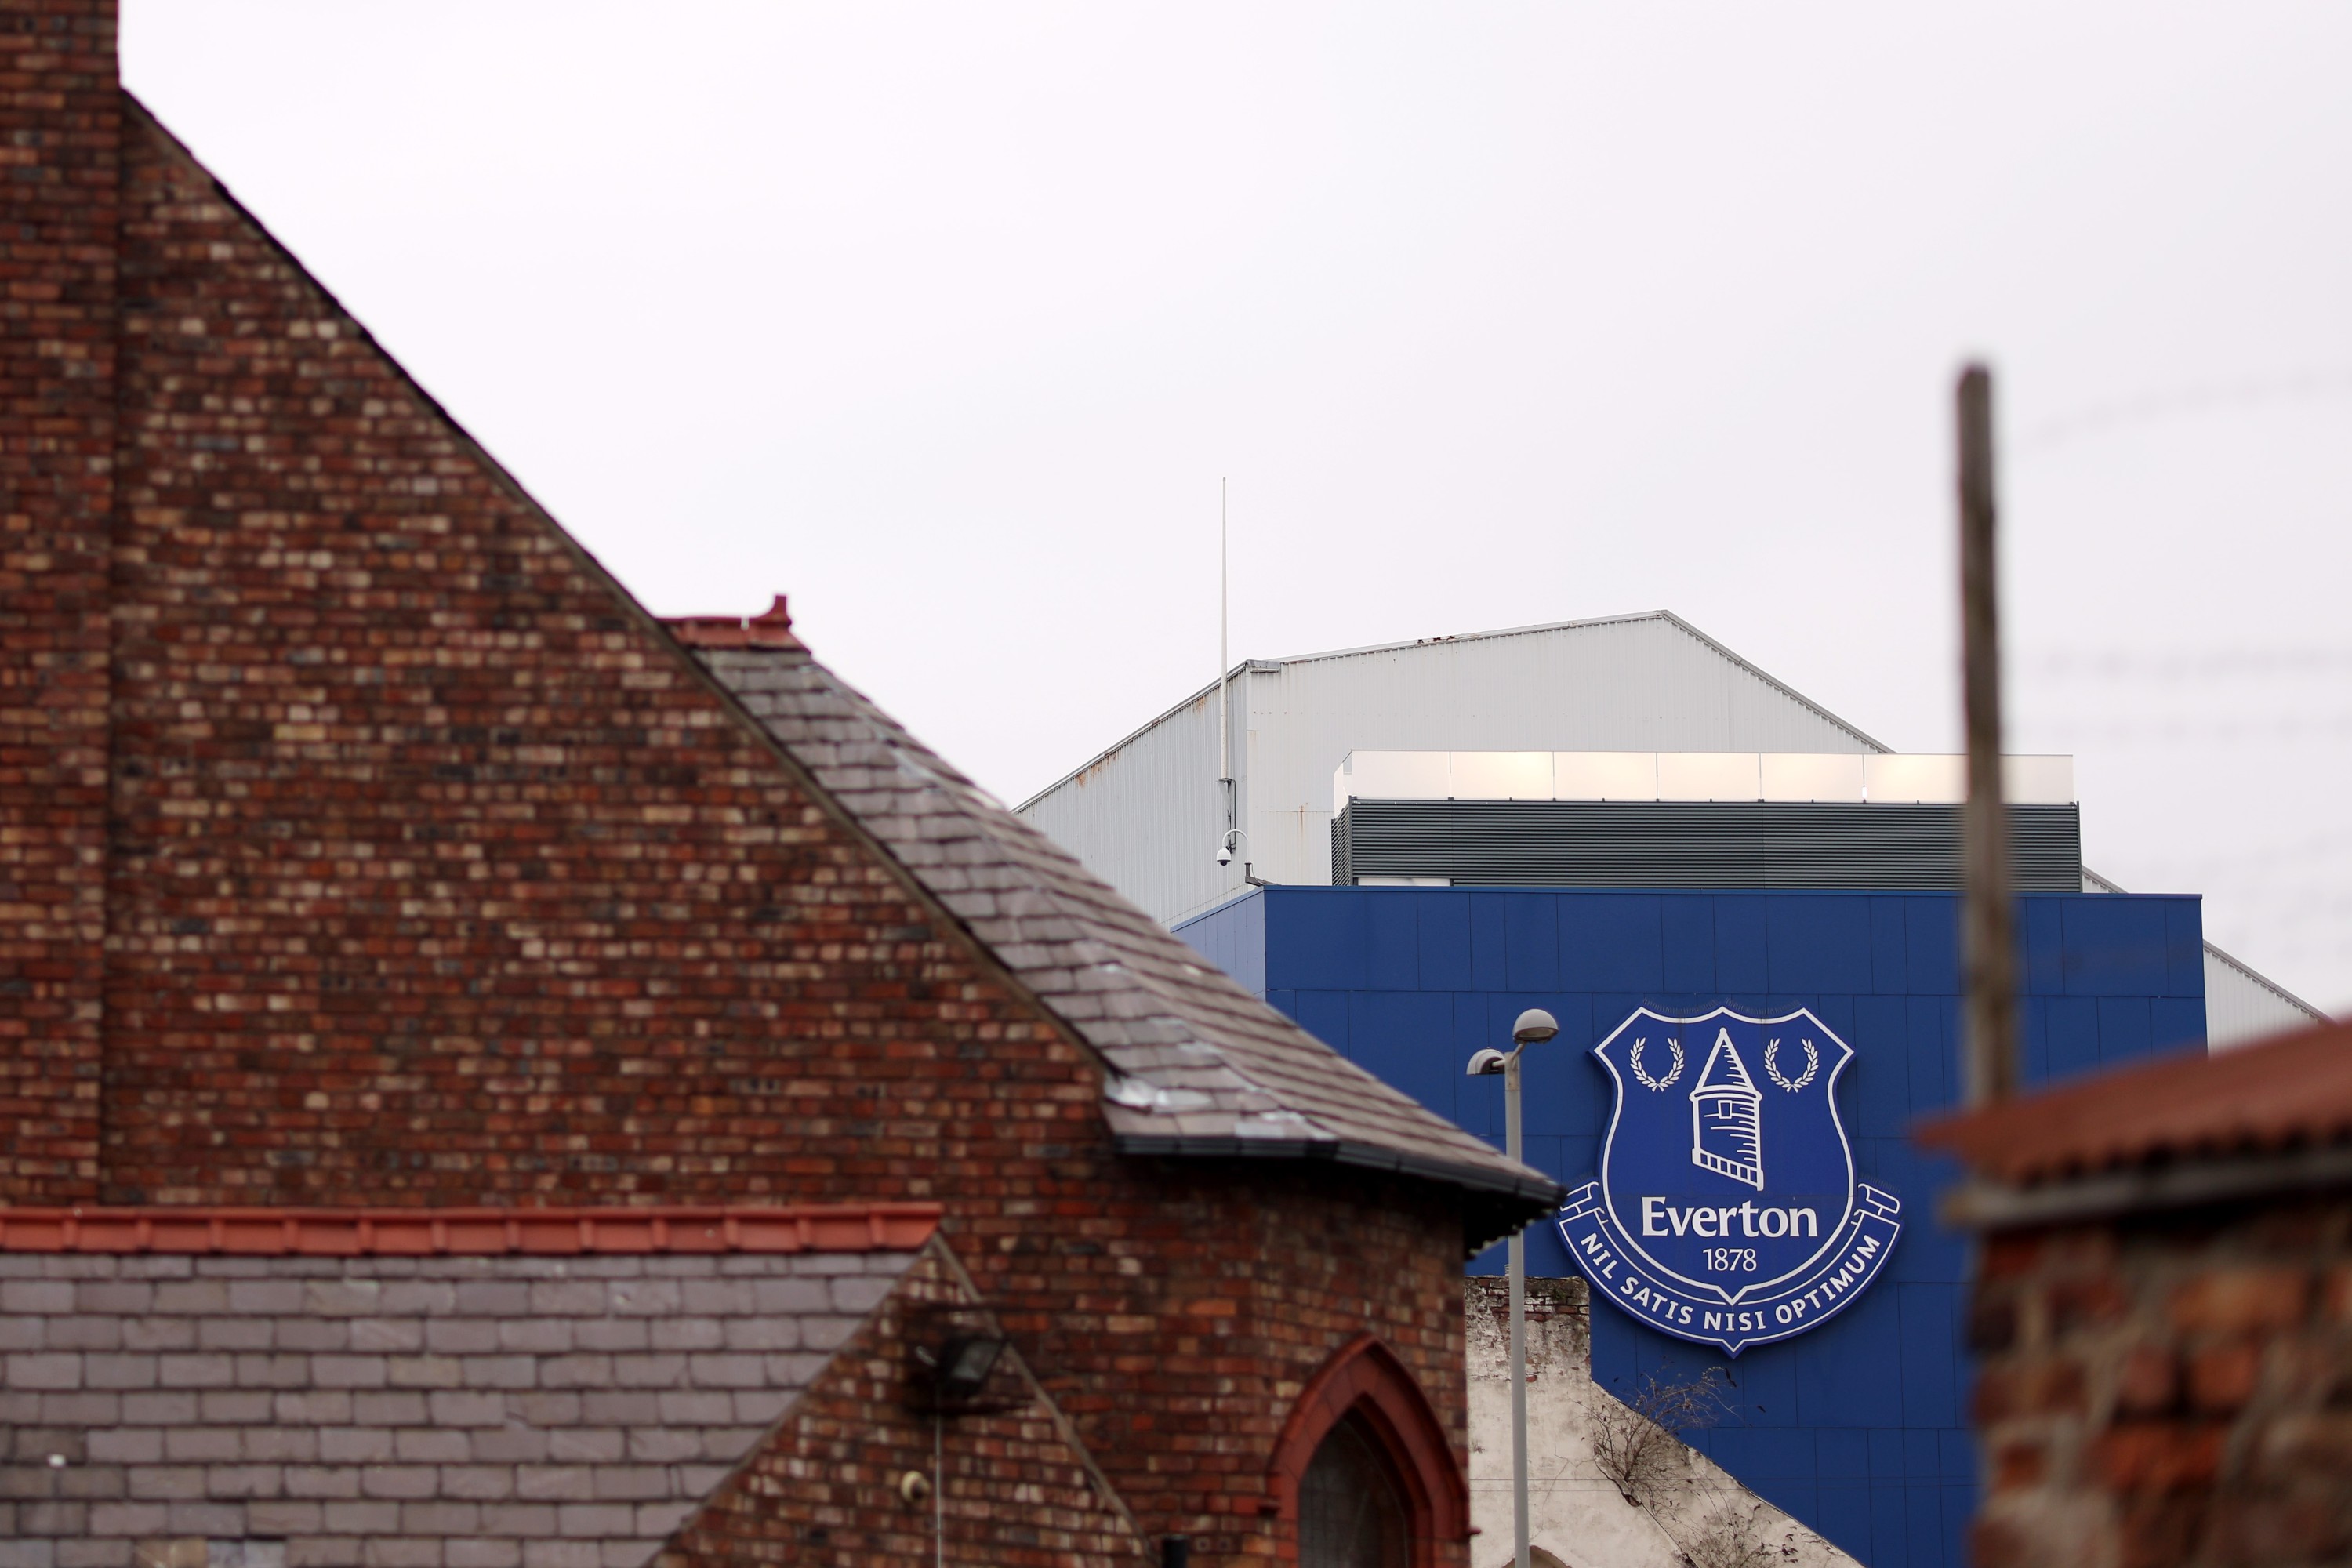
(946, 320)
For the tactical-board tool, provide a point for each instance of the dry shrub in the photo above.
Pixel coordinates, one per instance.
(1732, 1534)
(1638, 1443)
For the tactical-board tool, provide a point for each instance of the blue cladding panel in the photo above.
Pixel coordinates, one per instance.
(1486, 973)
(2045, 966)
(2176, 1023)
(2184, 947)
(1931, 951)
(2074, 1034)
(1391, 944)
(2124, 1029)
(1741, 964)
(1687, 944)
(1888, 972)
(1443, 926)
(1858, 1427)
(2113, 943)
(1531, 942)
(1611, 947)
(1310, 946)
(1819, 943)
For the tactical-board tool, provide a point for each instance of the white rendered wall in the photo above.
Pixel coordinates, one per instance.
(1573, 1510)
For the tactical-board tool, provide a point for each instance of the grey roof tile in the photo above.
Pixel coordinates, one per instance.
(1252, 1081)
(473, 1414)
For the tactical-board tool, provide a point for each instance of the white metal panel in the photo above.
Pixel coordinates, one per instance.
(1391, 776)
(1604, 775)
(1934, 779)
(2037, 781)
(1709, 775)
(1942, 778)
(1499, 776)
(1648, 684)
(1810, 775)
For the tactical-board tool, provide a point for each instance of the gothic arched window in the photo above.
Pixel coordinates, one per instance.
(1364, 1472)
(1351, 1507)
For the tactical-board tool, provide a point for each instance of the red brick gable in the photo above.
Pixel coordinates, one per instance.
(438, 869)
(824, 1486)
(60, 120)
(436, 874)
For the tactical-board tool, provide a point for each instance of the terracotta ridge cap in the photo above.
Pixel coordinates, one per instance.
(771, 628)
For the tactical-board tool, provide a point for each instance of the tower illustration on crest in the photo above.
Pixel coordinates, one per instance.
(1727, 1117)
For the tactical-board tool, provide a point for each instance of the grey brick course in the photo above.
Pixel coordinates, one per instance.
(472, 1412)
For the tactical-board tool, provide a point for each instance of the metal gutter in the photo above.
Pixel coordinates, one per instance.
(1542, 1191)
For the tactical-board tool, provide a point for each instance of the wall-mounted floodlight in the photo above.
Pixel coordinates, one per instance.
(964, 1364)
(951, 1372)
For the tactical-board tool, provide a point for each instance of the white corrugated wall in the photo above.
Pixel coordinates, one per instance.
(2241, 1007)
(1146, 814)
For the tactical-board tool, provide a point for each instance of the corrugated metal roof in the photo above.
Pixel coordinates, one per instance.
(1198, 1066)
(1668, 616)
(1593, 623)
(2291, 1092)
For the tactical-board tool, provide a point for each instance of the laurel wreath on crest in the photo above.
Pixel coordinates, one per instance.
(1658, 1085)
(1772, 1067)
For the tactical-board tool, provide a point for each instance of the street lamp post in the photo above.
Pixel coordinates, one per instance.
(1534, 1025)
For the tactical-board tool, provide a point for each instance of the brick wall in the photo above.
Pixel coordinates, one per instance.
(2172, 1390)
(438, 874)
(59, 127)
(825, 1487)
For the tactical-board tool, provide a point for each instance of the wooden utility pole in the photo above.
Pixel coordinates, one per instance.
(1989, 943)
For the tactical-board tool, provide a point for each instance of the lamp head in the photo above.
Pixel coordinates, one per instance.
(1534, 1025)
(1487, 1063)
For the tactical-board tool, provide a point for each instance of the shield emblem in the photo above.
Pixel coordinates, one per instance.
(1727, 1209)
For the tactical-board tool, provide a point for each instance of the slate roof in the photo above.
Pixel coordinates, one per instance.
(503, 1408)
(2291, 1093)
(1199, 1067)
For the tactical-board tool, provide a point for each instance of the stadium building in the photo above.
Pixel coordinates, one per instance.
(1743, 910)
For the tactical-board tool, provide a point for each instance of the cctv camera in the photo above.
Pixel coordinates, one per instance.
(1224, 854)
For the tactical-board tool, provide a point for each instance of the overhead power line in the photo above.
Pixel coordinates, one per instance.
(2294, 386)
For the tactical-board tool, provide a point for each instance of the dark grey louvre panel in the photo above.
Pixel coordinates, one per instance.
(1691, 844)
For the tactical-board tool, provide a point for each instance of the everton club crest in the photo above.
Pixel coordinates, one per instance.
(1727, 1211)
